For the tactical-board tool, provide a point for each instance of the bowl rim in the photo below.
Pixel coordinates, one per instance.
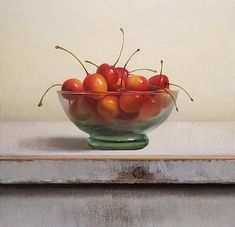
(117, 92)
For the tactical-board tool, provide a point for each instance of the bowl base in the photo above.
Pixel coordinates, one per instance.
(128, 142)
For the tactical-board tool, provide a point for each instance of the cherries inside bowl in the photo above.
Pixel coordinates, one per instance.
(117, 120)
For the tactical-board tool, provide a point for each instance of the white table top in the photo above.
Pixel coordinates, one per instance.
(63, 139)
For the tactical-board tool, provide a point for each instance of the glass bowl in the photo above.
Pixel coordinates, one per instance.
(117, 120)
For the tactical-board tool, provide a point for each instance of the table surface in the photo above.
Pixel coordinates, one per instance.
(57, 152)
(62, 140)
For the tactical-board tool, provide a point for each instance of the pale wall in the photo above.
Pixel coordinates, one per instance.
(195, 38)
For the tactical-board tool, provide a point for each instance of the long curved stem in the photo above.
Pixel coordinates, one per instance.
(54, 85)
(131, 57)
(120, 53)
(183, 90)
(161, 67)
(145, 69)
(92, 63)
(165, 90)
(61, 48)
(127, 63)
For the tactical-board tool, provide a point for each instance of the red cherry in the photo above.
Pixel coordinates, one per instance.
(72, 85)
(109, 73)
(162, 82)
(123, 74)
(159, 81)
(68, 85)
(120, 84)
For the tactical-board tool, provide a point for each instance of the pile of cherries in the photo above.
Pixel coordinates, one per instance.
(114, 93)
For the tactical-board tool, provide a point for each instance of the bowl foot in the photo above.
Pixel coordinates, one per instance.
(128, 142)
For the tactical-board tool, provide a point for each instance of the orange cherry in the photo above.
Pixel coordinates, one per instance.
(136, 83)
(95, 83)
(131, 103)
(108, 106)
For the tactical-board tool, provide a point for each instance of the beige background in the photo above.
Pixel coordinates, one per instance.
(195, 38)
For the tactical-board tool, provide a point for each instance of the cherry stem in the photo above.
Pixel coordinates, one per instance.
(61, 48)
(131, 57)
(161, 67)
(127, 63)
(165, 90)
(120, 53)
(145, 69)
(183, 90)
(176, 107)
(92, 63)
(54, 85)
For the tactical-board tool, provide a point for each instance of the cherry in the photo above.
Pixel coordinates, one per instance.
(151, 108)
(92, 82)
(115, 76)
(109, 73)
(159, 80)
(72, 85)
(131, 102)
(166, 97)
(137, 83)
(83, 108)
(108, 106)
(123, 74)
(95, 83)
(162, 81)
(68, 85)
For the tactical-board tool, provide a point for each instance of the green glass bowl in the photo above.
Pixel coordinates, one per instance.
(119, 125)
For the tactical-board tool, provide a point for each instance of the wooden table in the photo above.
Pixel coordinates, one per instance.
(50, 177)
